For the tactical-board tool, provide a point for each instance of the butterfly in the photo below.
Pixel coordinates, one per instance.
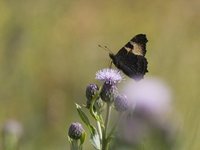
(131, 58)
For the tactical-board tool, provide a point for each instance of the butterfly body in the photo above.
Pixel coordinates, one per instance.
(131, 58)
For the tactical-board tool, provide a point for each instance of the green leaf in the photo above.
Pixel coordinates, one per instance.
(82, 115)
(94, 136)
(82, 139)
(69, 139)
(95, 140)
(93, 113)
(85, 119)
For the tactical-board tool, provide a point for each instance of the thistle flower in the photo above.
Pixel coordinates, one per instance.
(109, 75)
(121, 103)
(75, 131)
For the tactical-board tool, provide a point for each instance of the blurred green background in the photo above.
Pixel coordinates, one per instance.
(49, 53)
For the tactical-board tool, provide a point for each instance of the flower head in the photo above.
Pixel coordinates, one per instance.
(13, 129)
(121, 103)
(109, 75)
(108, 92)
(91, 90)
(151, 97)
(75, 131)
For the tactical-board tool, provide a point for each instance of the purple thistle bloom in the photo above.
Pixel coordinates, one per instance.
(109, 75)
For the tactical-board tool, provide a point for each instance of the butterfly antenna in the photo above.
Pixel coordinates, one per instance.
(106, 48)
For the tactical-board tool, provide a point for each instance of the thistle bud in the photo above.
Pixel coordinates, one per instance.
(91, 90)
(75, 131)
(121, 103)
(108, 92)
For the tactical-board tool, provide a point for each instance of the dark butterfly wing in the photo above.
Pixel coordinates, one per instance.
(129, 65)
(141, 65)
(134, 66)
(139, 44)
(119, 58)
(130, 58)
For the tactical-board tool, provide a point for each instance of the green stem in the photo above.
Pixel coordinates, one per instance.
(10, 142)
(107, 118)
(74, 145)
(105, 142)
(114, 126)
(99, 130)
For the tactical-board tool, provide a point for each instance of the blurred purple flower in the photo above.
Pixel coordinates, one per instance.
(121, 103)
(150, 109)
(150, 95)
(13, 127)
